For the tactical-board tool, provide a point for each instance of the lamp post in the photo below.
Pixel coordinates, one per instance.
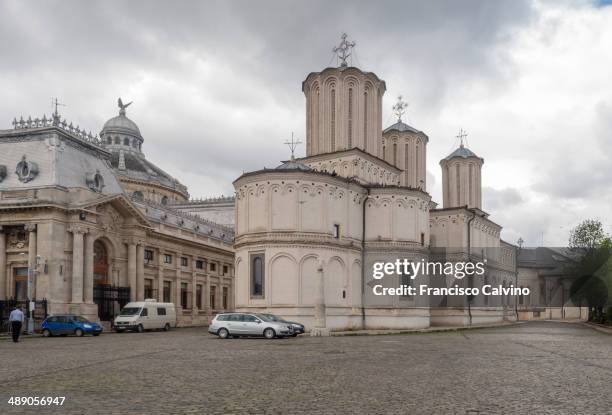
(32, 270)
(516, 260)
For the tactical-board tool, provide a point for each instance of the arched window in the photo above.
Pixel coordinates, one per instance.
(138, 195)
(109, 140)
(126, 141)
(117, 140)
(164, 200)
(257, 275)
(350, 118)
(333, 119)
(365, 121)
(395, 154)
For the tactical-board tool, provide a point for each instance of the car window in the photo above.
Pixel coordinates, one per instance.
(144, 312)
(130, 311)
(222, 317)
(161, 311)
(236, 317)
(250, 319)
(80, 319)
(52, 319)
(64, 319)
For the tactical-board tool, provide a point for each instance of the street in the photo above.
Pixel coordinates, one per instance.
(531, 368)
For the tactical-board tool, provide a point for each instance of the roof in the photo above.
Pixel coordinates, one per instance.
(121, 124)
(462, 152)
(293, 165)
(139, 168)
(401, 127)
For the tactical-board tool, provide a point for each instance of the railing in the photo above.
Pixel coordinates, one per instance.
(56, 121)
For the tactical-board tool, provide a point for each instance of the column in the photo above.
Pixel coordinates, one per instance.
(88, 281)
(160, 276)
(2, 264)
(206, 293)
(32, 263)
(77, 264)
(319, 301)
(140, 272)
(132, 269)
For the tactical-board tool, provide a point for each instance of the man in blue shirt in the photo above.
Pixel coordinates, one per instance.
(16, 319)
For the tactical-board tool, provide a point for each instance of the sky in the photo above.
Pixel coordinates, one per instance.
(217, 87)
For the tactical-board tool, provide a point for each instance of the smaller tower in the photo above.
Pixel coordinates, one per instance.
(461, 177)
(406, 148)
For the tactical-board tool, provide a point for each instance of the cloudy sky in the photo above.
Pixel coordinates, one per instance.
(217, 87)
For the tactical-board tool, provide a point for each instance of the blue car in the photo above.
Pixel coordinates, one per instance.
(65, 324)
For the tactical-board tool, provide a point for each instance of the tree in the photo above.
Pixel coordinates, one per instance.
(593, 267)
(588, 234)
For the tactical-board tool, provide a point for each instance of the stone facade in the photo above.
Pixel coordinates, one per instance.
(71, 218)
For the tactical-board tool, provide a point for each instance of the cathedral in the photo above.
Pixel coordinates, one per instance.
(308, 232)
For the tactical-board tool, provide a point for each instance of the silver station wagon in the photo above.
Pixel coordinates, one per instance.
(227, 325)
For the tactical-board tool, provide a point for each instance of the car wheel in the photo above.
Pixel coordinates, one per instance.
(140, 329)
(78, 333)
(167, 327)
(47, 333)
(294, 335)
(269, 333)
(119, 330)
(223, 333)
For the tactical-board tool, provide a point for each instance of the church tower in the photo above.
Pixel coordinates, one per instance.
(461, 179)
(405, 147)
(343, 108)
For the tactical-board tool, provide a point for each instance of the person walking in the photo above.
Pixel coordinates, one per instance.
(16, 319)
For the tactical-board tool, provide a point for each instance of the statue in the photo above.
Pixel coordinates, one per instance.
(122, 106)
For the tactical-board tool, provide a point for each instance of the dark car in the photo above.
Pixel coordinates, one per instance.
(65, 324)
(298, 328)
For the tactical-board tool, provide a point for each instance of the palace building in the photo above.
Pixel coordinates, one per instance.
(309, 230)
(89, 221)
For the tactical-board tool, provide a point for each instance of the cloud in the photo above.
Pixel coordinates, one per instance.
(217, 85)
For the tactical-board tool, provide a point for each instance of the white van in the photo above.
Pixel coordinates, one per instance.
(146, 315)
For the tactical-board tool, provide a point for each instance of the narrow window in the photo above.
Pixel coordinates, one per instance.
(213, 266)
(199, 264)
(333, 120)
(365, 121)
(336, 231)
(225, 298)
(257, 275)
(148, 288)
(213, 297)
(167, 259)
(350, 118)
(167, 288)
(470, 187)
(225, 269)
(395, 154)
(184, 295)
(458, 180)
(184, 262)
(148, 256)
(417, 164)
(199, 296)
(407, 164)
(422, 239)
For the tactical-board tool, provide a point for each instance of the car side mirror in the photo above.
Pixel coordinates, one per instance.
(258, 321)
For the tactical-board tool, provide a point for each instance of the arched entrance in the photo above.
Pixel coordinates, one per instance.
(110, 299)
(101, 276)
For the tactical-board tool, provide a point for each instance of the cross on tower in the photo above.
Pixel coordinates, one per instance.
(343, 49)
(461, 136)
(400, 108)
(54, 104)
(292, 145)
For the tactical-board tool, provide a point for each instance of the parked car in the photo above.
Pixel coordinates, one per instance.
(298, 328)
(227, 325)
(65, 324)
(145, 315)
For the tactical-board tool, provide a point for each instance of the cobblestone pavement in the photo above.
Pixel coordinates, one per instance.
(533, 368)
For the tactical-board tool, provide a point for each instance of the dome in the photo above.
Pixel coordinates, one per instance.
(462, 152)
(401, 127)
(121, 124)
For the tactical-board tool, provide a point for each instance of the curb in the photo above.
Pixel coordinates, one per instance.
(598, 327)
(421, 331)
